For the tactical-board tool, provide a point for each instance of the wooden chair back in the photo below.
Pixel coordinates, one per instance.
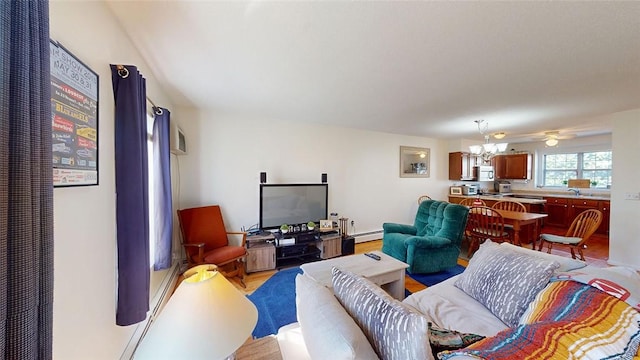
(484, 223)
(472, 202)
(423, 198)
(584, 225)
(509, 205)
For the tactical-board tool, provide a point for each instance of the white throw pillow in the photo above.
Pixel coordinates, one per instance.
(566, 263)
(505, 281)
(328, 330)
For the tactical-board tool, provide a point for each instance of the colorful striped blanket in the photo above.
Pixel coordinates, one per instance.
(567, 320)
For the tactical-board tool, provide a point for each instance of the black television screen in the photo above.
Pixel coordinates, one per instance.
(292, 204)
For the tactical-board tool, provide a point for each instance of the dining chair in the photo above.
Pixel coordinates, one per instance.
(423, 198)
(509, 205)
(205, 240)
(472, 202)
(581, 229)
(484, 223)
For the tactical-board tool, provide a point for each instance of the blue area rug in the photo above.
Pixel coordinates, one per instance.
(432, 279)
(276, 302)
(276, 298)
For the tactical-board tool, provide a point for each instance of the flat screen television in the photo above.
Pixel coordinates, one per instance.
(292, 204)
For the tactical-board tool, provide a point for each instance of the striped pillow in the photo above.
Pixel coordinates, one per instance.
(505, 281)
(395, 330)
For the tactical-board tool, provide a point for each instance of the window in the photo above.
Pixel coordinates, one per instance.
(596, 166)
(150, 159)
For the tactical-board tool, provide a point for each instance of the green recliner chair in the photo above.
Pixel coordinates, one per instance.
(432, 243)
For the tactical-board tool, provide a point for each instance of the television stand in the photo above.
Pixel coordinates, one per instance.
(296, 254)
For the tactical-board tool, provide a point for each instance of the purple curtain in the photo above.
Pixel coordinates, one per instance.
(26, 182)
(163, 214)
(132, 194)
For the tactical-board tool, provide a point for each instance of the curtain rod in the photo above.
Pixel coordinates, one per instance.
(124, 73)
(156, 109)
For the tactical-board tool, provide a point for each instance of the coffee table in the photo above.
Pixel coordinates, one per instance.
(388, 272)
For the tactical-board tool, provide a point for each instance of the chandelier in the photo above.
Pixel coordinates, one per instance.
(487, 150)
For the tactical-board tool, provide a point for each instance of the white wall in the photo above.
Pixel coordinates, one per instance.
(362, 166)
(84, 217)
(625, 228)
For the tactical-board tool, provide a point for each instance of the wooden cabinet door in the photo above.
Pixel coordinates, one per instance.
(512, 166)
(261, 257)
(518, 166)
(499, 169)
(455, 166)
(558, 211)
(580, 205)
(605, 207)
(331, 247)
(461, 165)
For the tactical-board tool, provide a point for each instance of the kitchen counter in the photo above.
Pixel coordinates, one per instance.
(566, 194)
(498, 197)
(524, 196)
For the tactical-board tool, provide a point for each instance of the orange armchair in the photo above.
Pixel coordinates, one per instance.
(206, 241)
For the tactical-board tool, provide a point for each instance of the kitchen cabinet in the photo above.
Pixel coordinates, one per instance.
(558, 211)
(261, 257)
(580, 205)
(605, 208)
(562, 211)
(461, 165)
(512, 166)
(330, 246)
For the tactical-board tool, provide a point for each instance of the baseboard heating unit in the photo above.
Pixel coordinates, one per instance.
(367, 236)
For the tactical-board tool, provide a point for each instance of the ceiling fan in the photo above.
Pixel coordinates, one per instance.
(551, 138)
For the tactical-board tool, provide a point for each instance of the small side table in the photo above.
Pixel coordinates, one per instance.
(264, 348)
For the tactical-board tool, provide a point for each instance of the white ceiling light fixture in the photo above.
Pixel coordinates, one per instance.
(499, 135)
(551, 138)
(488, 149)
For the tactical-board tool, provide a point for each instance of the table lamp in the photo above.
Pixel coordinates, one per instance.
(205, 318)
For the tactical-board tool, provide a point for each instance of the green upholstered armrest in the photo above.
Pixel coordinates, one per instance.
(427, 242)
(399, 228)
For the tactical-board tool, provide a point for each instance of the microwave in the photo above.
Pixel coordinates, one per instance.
(469, 190)
(483, 173)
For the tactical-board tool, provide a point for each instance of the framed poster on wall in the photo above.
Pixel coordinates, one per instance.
(74, 117)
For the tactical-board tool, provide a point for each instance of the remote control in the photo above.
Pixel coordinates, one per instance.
(373, 256)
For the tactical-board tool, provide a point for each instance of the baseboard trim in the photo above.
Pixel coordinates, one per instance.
(368, 236)
(157, 303)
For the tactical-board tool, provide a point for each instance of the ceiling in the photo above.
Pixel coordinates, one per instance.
(418, 68)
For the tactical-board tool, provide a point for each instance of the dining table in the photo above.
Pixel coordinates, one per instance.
(518, 220)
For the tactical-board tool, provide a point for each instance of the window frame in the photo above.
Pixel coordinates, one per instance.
(152, 232)
(541, 163)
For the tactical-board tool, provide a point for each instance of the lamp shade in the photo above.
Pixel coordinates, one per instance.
(205, 318)
(475, 149)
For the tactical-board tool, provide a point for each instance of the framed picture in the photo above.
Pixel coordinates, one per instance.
(414, 162)
(74, 119)
(326, 224)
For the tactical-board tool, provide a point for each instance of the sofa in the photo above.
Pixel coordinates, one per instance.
(514, 303)
(433, 242)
